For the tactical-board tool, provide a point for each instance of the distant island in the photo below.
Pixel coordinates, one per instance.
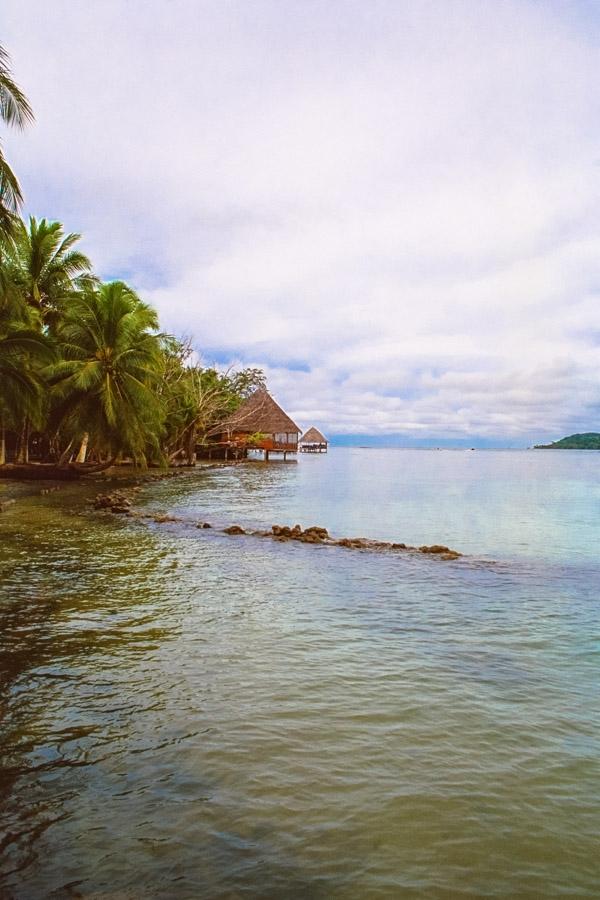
(588, 441)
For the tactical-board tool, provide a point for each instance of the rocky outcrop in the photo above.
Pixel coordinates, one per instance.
(312, 535)
(117, 502)
(318, 535)
(354, 543)
(440, 550)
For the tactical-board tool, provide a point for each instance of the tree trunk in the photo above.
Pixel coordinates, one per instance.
(22, 455)
(83, 448)
(191, 447)
(64, 456)
(2, 445)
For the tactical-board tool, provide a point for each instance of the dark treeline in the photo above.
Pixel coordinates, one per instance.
(85, 372)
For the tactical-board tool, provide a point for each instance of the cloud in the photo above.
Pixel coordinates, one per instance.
(391, 207)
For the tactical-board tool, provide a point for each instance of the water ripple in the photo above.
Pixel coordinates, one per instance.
(186, 715)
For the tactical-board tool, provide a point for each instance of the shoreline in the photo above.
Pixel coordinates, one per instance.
(115, 473)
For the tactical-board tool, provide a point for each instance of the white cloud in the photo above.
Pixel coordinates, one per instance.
(402, 198)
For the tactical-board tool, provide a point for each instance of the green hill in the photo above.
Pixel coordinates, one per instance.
(588, 441)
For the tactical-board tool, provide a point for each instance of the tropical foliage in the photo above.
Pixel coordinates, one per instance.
(590, 440)
(106, 380)
(84, 369)
(84, 366)
(43, 263)
(16, 112)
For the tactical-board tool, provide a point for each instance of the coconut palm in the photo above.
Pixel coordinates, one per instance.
(42, 262)
(40, 271)
(14, 111)
(23, 352)
(106, 383)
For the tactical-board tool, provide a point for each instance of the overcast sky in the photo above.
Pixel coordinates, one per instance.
(392, 206)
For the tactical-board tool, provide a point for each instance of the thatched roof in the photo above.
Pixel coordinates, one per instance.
(313, 436)
(260, 413)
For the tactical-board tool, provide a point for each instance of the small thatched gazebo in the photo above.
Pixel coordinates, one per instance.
(260, 424)
(313, 442)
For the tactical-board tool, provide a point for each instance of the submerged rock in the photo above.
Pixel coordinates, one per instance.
(318, 532)
(440, 550)
(117, 502)
(310, 538)
(353, 543)
(313, 535)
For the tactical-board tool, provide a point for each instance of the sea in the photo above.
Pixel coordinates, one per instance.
(186, 713)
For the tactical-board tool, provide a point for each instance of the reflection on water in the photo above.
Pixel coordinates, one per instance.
(192, 715)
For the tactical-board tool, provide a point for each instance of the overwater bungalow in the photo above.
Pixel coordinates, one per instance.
(313, 442)
(258, 424)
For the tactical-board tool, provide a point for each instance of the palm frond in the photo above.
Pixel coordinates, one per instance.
(14, 105)
(10, 190)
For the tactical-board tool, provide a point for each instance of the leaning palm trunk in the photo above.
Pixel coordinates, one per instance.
(22, 455)
(83, 448)
(65, 455)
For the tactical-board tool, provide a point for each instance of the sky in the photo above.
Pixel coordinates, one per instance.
(389, 205)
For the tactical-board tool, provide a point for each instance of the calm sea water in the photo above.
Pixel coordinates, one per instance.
(189, 714)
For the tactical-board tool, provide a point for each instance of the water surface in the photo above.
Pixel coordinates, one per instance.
(188, 714)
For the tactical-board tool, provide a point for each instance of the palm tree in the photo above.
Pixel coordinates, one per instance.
(41, 261)
(41, 268)
(14, 111)
(106, 384)
(23, 352)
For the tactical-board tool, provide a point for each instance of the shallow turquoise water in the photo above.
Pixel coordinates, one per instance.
(188, 714)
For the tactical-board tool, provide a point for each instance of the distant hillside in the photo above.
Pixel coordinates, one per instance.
(588, 441)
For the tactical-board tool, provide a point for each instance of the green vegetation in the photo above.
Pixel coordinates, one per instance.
(84, 368)
(256, 439)
(15, 111)
(588, 441)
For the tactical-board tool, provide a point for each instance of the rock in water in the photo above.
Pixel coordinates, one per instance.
(439, 549)
(318, 532)
(234, 529)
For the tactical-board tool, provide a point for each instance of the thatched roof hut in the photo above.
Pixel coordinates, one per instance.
(313, 436)
(262, 419)
(313, 441)
(260, 413)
